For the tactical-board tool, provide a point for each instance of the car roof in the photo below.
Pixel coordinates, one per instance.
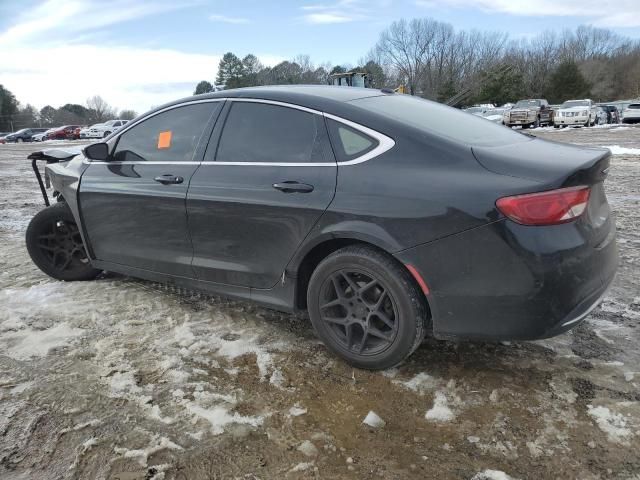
(320, 97)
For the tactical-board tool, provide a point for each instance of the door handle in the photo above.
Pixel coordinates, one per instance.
(291, 186)
(168, 179)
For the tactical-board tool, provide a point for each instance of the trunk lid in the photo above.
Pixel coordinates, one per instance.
(551, 164)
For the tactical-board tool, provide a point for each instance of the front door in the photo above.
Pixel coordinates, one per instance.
(133, 206)
(254, 200)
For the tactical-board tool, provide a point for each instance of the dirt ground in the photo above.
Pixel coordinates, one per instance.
(125, 379)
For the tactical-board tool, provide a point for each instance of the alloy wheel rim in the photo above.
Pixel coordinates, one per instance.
(61, 244)
(359, 312)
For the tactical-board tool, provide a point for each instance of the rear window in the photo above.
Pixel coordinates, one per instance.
(441, 120)
(635, 106)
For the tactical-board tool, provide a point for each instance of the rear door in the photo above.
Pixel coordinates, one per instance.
(259, 193)
(133, 206)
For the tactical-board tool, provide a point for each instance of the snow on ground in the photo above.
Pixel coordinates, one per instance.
(440, 412)
(615, 425)
(618, 150)
(492, 475)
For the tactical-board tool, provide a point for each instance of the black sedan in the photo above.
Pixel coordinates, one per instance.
(386, 217)
(23, 135)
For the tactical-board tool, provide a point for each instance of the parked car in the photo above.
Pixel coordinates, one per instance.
(613, 115)
(88, 132)
(41, 137)
(62, 133)
(23, 135)
(576, 112)
(494, 114)
(631, 114)
(2, 135)
(102, 130)
(601, 116)
(529, 113)
(460, 228)
(75, 134)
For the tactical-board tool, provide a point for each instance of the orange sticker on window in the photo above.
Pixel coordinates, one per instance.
(164, 140)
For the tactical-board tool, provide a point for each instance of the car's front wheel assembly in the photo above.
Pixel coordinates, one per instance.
(366, 307)
(55, 245)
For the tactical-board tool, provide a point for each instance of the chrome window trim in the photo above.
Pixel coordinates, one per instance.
(385, 143)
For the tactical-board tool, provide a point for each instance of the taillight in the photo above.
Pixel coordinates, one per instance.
(546, 208)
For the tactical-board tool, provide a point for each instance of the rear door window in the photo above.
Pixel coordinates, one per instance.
(171, 136)
(265, 133)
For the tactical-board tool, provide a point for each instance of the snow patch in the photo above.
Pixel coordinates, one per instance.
(308, 449)
(28, 343)
(142, 455)
(440, 412)
(618, 150)
(492, 475)
(302, 466)
(297, 410)
(420, 383)
(613, 424)
(219, 417)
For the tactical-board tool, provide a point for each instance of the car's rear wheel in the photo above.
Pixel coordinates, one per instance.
(19, 140)
(366, 307)
(55, 245)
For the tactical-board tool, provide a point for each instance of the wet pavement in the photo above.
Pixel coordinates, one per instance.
(125, 379)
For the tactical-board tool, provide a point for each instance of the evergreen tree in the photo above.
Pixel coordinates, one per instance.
(230, 71)
(501, 85)
(128, 114)
(8, 108)
(567, 82)
(252, 67)
(47, 115)
(377, 78)
(203, 87)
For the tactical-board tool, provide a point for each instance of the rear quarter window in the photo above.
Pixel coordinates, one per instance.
(349, 143)
(440, 120)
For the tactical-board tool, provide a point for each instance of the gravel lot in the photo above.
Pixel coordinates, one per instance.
(125, 379)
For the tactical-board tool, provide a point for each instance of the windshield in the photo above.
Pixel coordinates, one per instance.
(527, 103)
(575, 103)
(21, 131)
(440, 120)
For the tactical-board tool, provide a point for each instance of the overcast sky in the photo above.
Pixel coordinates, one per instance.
(142, 53)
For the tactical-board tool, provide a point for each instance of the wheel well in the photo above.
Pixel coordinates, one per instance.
(314, 257)
(311, 261)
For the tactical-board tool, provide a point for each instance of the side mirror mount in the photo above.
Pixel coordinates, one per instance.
(97, 151)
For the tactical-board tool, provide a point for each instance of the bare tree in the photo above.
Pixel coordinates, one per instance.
(99, 109)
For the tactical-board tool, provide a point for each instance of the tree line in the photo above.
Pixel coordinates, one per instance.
(433, 60)
(14, 116)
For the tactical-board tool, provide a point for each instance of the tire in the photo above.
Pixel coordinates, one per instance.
(380, 325)
(536, 124)
(19, 140)
(556, 126)
(55, 245)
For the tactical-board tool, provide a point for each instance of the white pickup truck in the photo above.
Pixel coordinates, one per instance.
(101, 130)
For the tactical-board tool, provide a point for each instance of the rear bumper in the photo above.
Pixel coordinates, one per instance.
(505, 281)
